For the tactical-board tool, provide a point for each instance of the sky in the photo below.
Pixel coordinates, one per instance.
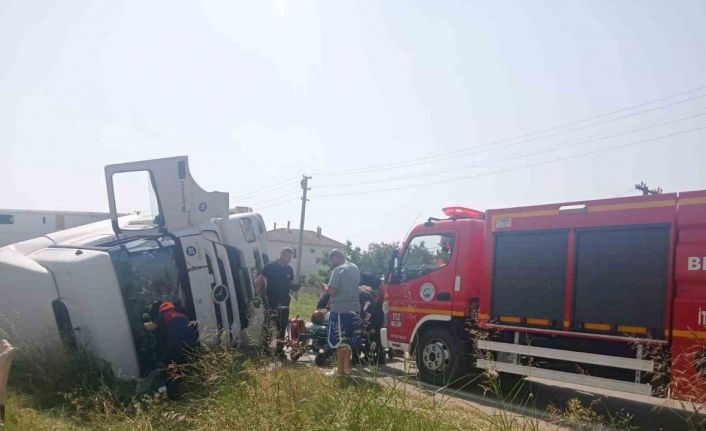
(396, 109)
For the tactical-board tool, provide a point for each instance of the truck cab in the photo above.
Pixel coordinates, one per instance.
(438, 267)
(94, 285)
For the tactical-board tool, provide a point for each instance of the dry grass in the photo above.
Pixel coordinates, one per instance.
(54, 390)
(229, 391)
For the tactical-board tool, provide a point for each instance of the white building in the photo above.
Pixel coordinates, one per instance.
(315, 247)
(21, 225)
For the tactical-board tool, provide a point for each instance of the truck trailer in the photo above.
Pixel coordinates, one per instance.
(608, 293)
(93, 285)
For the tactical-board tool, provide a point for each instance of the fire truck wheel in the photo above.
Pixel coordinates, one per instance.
(437, 356)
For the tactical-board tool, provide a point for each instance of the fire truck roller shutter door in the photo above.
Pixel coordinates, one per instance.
(621, 276)
(529, 275)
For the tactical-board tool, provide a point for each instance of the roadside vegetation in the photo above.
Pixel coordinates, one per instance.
(303, 305)
(227, 390)
(55, 390)
(52, 389)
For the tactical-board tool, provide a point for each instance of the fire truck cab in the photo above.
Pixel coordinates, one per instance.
(599, 293)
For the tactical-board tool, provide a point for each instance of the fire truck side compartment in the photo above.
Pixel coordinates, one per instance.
(621, 276)
(529, 274)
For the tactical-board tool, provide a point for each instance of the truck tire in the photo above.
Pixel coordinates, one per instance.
(438, 356)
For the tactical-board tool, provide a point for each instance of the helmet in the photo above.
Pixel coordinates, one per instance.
(166, 306)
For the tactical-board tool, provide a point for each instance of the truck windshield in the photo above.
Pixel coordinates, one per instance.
(425, 254)
(148, 273)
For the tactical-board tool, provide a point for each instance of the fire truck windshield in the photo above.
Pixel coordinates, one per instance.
(425, 254)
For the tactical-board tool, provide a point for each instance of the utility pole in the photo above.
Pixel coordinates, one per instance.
(305, 188)
(646, 190)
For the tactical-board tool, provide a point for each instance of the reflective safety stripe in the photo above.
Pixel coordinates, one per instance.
(631, 206)
(632, 329)
(596, 208)
(416, 310)
(534, 321)
(682, 333)
(693, 201)
(597, 326)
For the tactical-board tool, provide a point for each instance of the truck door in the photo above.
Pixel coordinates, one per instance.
(425, 291)
(164, 196)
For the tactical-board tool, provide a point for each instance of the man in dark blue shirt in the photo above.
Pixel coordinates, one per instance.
(277, 278)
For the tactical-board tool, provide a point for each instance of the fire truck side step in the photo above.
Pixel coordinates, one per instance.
(566, 355)
(580, 379)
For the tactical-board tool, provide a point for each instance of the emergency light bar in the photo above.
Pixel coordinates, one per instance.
(463, 213)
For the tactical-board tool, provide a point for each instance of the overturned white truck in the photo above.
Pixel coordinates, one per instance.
(92, 285)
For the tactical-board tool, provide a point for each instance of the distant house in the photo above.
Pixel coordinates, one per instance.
(314, 247)
(20, 225)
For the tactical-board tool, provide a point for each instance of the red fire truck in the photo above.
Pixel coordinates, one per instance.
(609, 293)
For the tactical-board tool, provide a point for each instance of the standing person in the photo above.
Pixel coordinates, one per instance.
(344, 322)
(278, 277)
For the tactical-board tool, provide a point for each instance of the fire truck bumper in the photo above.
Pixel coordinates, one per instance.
(383, 338)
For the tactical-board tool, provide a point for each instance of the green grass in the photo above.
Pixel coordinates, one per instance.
(55, 390)
(229, 391)
(303, 306)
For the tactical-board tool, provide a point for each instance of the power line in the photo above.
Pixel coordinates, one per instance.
(442, 156)
(628, 191)
(271, 199)
(447, 155)
(455, 154)
(275, 186)
(573, 156)
(476, 165)
(430, 159)
(275, 204)
(270, 190)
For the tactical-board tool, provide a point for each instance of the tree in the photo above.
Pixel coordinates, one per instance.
(374, 260)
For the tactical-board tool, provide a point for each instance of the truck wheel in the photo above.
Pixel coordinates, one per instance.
(437, 355)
